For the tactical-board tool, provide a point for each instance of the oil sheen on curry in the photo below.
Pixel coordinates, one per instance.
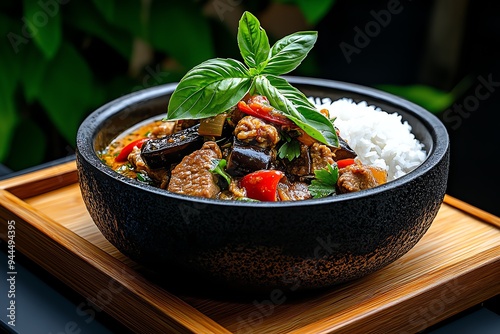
(250, 153)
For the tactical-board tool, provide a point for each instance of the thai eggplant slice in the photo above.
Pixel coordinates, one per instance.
(344, 151)
(163, 152)
(246, 158)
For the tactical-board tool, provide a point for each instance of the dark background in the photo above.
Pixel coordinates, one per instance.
(397, 55)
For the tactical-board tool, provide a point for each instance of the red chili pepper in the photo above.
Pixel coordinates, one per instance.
(262, 184)
(345, 162)
(267, 113)
(128, 148)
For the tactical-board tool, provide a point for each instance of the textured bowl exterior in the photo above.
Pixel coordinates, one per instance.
(296, 245)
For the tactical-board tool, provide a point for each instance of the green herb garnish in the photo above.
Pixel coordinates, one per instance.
(218, 166)
(324, 183)
(144, 178)
(290, 149)
(217, 85)
(124, 168)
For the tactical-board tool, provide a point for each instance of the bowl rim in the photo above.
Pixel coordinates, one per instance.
(87, 132)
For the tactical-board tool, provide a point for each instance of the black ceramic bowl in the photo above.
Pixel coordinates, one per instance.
(298, 245)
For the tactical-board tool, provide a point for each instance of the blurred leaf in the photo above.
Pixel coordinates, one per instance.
(106, 7)
(313, 10)
(32, 72)
(44, 26)
(87, 19)
(120, 85)
(71, 94)
(180, 29)
(430, 98)
(30, 146)
(10, 66)
(8, 120)
(128, 17)
(9, 78)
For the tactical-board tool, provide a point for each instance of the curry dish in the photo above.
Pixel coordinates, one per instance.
(252, 152)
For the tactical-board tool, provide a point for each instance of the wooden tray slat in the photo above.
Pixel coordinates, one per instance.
(455, 266)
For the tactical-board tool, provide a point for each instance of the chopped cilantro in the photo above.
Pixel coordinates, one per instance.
(324, 183)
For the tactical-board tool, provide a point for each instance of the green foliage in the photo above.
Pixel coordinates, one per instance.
(60, 60)
(68, 73)
(179, 29)
(106, 7)
(430, 98)
(9, 78)
(46, 27)
(313, 10)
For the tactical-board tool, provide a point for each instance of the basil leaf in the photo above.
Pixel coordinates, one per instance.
(253, 42)
(297, 107)
(289, 52)
(209, 89)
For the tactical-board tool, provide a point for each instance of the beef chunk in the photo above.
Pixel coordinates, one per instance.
(136, 160)
(321, 156)
(255, 131)
(162, 130)
(293, 191)
(358, 177)
(192, 175)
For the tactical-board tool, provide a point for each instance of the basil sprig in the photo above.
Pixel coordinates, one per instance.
(217, 85)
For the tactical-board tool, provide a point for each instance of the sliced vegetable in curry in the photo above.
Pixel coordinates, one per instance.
(238, 131)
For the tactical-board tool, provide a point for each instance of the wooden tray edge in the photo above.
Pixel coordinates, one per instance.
(40, 238)
(425, 306)
(472, 210)
(39, 182)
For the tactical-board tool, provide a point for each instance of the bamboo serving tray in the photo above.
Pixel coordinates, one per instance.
(455, 265)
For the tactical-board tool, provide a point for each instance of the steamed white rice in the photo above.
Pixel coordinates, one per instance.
(378, 138)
